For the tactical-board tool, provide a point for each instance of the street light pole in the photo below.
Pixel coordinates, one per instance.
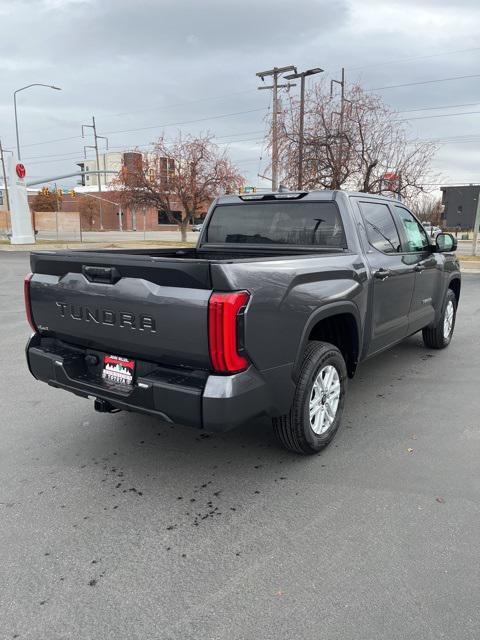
(301, 141)
(35, 84)
(300, 133)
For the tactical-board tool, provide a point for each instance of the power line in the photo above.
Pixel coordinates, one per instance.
(66, 154)
(411, 84)
(157, 126)
(446, 106)
(440, 115)
(411, 58)
(179, 104)
(157, 108)
(173, 124)
(36, 144)
(466, 136)
(243, 140)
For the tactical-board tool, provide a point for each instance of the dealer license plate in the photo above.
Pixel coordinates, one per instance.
(118, 370)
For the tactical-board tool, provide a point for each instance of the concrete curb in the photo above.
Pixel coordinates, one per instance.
(155, 244)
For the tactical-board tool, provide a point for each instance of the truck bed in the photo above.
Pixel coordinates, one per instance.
(145, 304)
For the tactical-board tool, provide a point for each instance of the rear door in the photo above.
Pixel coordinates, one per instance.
(416, 246)
(393, 276)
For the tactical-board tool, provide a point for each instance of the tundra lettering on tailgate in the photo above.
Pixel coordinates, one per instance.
(123, 319)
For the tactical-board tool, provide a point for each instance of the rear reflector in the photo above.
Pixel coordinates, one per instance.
(223, 320)
(28, 305)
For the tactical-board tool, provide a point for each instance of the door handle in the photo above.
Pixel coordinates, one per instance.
(419, 267)
(104, 275)
(382, 274)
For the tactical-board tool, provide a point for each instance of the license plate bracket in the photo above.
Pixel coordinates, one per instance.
(118, 370)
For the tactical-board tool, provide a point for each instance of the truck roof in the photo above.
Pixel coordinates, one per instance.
(320, 195)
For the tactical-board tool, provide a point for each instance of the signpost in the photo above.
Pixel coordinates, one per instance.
(20, 170)
(20, 217)
(392, 182)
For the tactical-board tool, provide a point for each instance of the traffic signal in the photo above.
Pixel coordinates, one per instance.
(73, 193)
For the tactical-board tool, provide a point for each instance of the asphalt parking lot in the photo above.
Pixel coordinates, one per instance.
(119, 527)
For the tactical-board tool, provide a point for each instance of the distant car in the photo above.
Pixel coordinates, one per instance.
(197, 227)
(432, 230)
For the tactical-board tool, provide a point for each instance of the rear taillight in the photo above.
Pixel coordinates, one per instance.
(224, 316)
(28, 305)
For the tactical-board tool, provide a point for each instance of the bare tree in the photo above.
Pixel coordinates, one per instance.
(429, 209)
(89, 209)
(372, 142)
(181, 178)
(46, 200)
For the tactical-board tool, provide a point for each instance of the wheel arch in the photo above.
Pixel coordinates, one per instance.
(337, 323)
(455, 285)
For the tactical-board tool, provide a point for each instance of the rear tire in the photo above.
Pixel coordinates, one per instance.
(440, 335)
(317, 407)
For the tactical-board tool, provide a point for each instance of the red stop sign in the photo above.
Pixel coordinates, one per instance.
(21, 171)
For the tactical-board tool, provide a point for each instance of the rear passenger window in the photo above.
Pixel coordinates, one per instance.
(381, 230)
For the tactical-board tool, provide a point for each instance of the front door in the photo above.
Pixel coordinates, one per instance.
(416, 247)
(393, 276)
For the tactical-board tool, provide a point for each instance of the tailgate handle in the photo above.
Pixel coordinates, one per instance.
(105, 275)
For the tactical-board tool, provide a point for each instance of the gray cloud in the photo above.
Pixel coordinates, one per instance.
(160, 62)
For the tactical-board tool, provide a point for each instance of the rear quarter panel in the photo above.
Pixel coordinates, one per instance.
(287, 294)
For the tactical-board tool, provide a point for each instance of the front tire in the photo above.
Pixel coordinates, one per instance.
(317, 407)
(440, 335)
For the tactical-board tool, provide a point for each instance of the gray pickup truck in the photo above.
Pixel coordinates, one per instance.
(284, 295)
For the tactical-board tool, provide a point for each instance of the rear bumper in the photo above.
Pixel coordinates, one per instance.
(180, 396)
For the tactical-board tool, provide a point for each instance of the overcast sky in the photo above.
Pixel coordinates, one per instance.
(159, 65)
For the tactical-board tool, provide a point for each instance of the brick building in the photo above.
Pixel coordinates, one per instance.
(114, 216)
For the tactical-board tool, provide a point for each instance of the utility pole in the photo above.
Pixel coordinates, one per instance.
(301, 138)
(341, 114)
(4, 177)
(95, 146)
(275, 72)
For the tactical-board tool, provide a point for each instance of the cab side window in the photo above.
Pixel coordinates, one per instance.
(416, 239)
(380, 226)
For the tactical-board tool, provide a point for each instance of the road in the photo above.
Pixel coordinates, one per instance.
(118, 527)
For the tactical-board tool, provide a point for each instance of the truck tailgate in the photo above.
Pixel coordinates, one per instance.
(139, 307)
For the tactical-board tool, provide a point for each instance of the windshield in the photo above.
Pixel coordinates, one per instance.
(299, 223)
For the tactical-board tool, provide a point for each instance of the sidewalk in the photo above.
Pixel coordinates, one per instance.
(470, 264)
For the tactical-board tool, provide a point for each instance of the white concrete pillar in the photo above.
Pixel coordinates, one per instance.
(20, 218)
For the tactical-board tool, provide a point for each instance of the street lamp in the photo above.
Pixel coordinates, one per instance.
(302, 75)
(35, 84)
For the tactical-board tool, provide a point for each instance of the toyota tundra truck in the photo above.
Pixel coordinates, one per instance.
(283, 297)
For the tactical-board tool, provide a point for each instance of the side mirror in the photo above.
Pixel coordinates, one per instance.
(445, 243)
